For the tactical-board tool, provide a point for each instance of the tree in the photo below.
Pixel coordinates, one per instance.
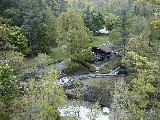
(57, 6)
(8, 89)
(79, 5)
(14, 14)
(112, 21)
(114, 37)
(94, 20)
(15, 60)
(16, 38)
(138, 25)
(137, 97)
(123, 29)
(72, 32)
(38, 98)
(140, 44)
(143, 90)
(41, 99)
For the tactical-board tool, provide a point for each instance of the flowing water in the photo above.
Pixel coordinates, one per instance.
(84, 111)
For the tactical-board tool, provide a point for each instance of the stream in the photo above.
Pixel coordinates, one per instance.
(84, 111)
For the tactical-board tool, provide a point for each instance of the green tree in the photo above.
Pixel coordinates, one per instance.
(79, 5)
(136, 97)
(72, 32)
(142, 97)
(3, 41)
(112, 21)
(14, 14)
(57, 6)
(8, 89)
(94, 20)
(41, 100)
(115, 38)
(140, 44)
(15, 60)
(16, 38)
(38, 24)
(138, 25)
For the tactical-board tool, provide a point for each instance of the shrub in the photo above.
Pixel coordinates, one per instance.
(85, 56)
(89, 66)
(74, 68)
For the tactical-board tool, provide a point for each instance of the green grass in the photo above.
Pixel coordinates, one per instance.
(92, 81)
(99, 40)
(114, 63)
(96, 81)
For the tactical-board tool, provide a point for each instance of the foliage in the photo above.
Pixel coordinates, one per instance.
(85, 59)
(72, 33)
(112, 21)
(55, 56)
(114, 37)
(43, 99)
(75, 68)
(155, 23)
(140, 44)
(138, 25)
(112, 64)
(57, 6)
(152, 1)
(43, 42)
(15, 59)
(8, 89)
(16, 38)
(39, 22)
(85, 55)
(142, 96)
(94, 20)
(42, 60)
(14, 15)
(88, 65)
(82, 63)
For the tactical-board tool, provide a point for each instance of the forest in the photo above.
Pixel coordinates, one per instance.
(59, 56)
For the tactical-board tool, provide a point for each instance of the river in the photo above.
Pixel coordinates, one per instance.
(84, 111)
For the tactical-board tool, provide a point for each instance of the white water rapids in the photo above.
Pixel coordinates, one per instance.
(83, 112)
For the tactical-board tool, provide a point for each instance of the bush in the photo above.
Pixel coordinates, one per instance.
(75, 68)
(81, 64)
(89, 66)
(85, 56)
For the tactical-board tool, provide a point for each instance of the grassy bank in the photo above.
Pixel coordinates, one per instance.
(112, 64)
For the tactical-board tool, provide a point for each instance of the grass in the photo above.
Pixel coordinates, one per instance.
(96, 81)
(114, 63)
(99, 40)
